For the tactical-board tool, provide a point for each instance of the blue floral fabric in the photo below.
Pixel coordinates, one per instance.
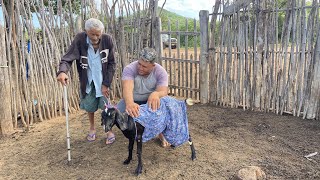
(170, 119)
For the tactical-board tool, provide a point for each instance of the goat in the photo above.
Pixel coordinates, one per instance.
(131, 130)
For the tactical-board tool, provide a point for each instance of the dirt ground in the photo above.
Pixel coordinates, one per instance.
(174, 52)
(226, 140)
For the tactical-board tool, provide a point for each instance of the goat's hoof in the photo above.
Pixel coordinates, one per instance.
(127, 161)
(138, 171)
(193, 157)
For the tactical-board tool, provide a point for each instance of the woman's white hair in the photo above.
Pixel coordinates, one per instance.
(93, 23)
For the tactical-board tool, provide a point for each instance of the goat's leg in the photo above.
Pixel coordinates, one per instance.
(193, 150)
(130, 148)
(140, 130)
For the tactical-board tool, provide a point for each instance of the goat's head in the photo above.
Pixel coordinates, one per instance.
(112, 116)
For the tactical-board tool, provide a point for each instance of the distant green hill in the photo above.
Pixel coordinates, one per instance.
(166, 15)
(174, 18)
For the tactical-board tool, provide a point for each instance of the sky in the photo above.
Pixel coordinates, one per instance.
(1, 16)
(34, 16)
(187, 8)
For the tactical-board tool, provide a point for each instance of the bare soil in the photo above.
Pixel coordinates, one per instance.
(174, 52)
(226, 140)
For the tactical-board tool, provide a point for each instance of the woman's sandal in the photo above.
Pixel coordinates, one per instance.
(91, 137)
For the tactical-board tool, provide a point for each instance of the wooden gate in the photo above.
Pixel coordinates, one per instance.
(181, 60)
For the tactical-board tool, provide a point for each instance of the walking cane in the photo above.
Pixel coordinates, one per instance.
(67, 121)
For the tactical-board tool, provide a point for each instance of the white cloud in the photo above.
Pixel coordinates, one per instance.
(188, 8)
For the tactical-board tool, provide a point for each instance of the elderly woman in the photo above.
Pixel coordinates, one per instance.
(93, 51)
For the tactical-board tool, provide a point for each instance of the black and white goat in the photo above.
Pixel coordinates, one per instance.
(131, 130)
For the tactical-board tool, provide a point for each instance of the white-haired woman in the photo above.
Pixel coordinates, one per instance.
(93, 51)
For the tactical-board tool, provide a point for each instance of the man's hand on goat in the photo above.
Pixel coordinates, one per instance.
(133, 109)
(154, 101)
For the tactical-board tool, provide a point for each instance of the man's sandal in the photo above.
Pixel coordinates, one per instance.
(165, 143)
(110, 139)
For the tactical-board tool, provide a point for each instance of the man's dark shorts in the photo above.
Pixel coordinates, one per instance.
(91, 103)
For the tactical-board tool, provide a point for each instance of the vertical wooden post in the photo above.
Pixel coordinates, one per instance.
(154, 15)
(259, 57)
(6, 124)
(122, 42)
(78, 25)
(315, 79)
(71, 18)
(204, 41)
(212, 55)
(157, 39)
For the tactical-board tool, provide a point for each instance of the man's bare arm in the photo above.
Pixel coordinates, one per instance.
(127, 93)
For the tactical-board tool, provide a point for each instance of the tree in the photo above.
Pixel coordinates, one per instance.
(75, 5)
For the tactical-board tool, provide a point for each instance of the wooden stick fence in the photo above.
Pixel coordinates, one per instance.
(34, 93)
(253, 69)
(243, 60)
